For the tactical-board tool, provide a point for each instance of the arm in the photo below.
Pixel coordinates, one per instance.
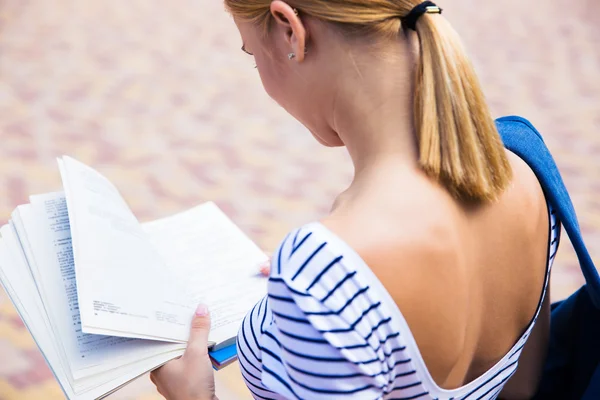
(524, 383)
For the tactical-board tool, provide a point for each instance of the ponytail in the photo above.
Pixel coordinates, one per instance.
(459, 145)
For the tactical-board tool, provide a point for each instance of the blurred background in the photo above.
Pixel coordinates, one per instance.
(158, 97)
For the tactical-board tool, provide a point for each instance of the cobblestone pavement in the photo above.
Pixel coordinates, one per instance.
(158, 97)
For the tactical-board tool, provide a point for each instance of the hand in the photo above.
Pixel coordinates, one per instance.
(191, 376)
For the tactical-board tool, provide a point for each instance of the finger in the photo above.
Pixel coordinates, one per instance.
(154, 381)
(169, 369)
(198, 341)
(265, 268)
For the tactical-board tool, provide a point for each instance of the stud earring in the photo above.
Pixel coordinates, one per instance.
(291, 56)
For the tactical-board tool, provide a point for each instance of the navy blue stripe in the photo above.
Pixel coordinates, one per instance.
(302, 338)
(259, 396)
(295, 238)
(290, 318)
(385, 321)
(400, 362)
(262, 323)
(489, 380)
(406, 386)
(357, 346)
(516, 351)
(416, 396)
(388, 337)
(266, 350)
(361, 291)
(328, 376)
(279, 254)
(406, 374)
(327, 268)
(308, 260)
(252, 329)
(280, 379)
(294, 248)
(395, 350)
(368, 310)
(495, 386)
(281, 298)
(336, 287)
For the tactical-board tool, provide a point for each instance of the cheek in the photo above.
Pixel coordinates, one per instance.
(286, 93)
(280, 91)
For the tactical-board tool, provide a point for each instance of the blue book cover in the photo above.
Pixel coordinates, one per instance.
(223, 357)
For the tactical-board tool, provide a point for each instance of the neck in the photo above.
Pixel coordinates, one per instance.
(373, 110)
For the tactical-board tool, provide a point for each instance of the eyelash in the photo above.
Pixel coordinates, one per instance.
(247, 52)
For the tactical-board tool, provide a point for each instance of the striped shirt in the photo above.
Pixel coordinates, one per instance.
(328, 329)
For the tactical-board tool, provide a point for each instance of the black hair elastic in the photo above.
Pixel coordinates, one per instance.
(410, 21)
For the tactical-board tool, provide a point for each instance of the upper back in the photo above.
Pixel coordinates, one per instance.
(467, 279)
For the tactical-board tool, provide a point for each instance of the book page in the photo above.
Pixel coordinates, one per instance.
(45, 225)
(124, 287)
(204, 250)
(21, 289)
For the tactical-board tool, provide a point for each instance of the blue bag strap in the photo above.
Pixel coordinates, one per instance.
(525, 141)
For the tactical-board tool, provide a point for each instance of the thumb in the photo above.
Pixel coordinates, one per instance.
(198, 341)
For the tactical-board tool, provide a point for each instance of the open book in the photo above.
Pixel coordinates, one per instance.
(107, 298)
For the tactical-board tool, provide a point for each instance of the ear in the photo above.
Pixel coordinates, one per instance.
(294, 30)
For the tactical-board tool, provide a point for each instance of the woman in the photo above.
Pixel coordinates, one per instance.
(429, 278)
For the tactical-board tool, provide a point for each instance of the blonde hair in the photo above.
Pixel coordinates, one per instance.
(459, 145)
